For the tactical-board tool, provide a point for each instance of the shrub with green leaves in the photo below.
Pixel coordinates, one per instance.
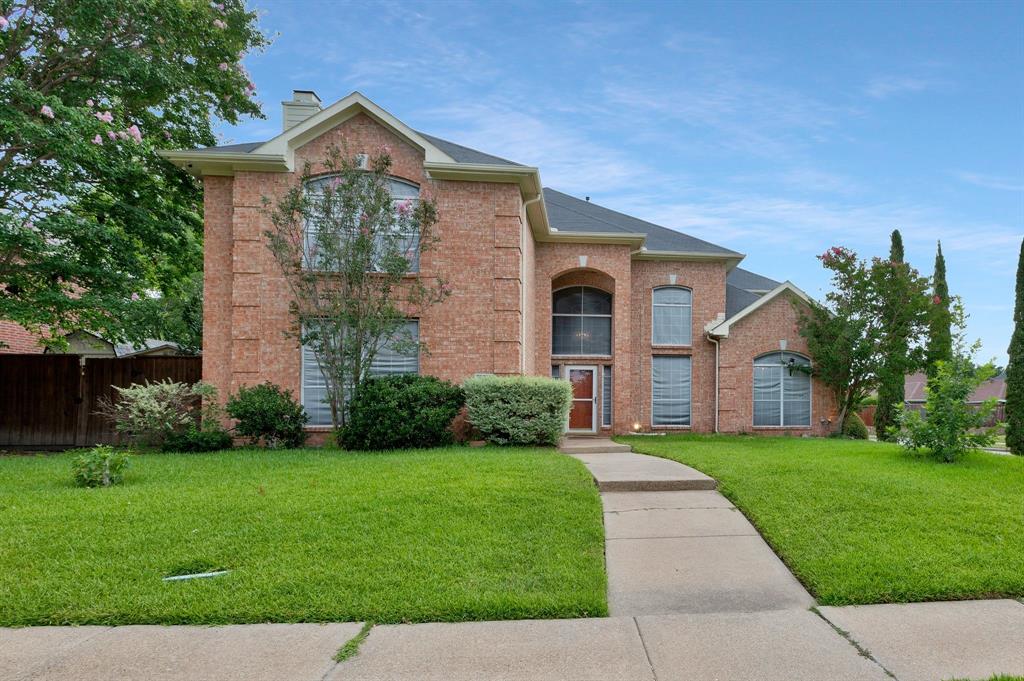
(398, 412)
(950, 427)
(101, 466)
(196, 440)
(518, 410)
(266, 413)
(854, 427)
(147, 413)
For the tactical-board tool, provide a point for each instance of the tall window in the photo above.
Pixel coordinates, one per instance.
(670, 390)
(606, 396)
(401, 192)
(387, 361)
(581, 321)
(782, 390)
(671, 316)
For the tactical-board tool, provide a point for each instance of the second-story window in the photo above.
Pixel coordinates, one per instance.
(671, 316)
(581, 321)
(404, 196)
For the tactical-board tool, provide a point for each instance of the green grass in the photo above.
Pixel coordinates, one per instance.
(309, 535)
(862, 522)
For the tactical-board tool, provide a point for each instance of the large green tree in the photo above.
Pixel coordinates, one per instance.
(897, 360)
(940, 321)
(846, 334)
(90, 90)
(1015, 369)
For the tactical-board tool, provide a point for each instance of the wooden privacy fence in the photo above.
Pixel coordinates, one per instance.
(49, 401)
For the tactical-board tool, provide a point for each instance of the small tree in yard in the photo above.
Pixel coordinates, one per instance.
(346, 248)
(1015, 369)
(847, 334)
(950, 426)
(940, 321)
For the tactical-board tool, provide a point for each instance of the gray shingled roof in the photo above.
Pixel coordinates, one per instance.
(743, 288)
(569, 214)
(463, 154)
(243, 148)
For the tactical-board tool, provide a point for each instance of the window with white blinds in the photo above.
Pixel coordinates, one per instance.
(782, 390)
(671, 316)
(387, 361)
(670, 390)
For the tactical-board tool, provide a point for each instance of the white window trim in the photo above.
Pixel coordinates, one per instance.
(654, 305)
(670, 426)
(782, 400)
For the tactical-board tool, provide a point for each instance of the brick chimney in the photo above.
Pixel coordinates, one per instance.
(304, 104)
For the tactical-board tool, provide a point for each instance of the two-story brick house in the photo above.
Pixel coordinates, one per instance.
(656, 329)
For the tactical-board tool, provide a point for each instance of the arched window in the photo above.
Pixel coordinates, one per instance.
(581, 321)
(782, 390)
(670, 315)
(402, 192)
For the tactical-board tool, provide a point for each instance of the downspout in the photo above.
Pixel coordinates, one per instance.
(715, 341)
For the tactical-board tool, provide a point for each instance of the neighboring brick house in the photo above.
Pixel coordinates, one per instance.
(656, 329)
(15, 339)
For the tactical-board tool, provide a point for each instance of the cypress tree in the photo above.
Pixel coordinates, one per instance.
(940, 332)
(890, 385)
(1015, 369)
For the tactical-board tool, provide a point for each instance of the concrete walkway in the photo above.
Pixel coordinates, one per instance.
(695, 595)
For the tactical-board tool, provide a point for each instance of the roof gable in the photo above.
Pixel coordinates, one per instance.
(720, 327)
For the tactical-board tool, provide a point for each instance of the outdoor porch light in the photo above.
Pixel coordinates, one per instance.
(636, 427)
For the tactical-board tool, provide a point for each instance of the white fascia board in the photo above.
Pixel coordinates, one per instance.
(345, 108)
(200, 162)
(720, 329)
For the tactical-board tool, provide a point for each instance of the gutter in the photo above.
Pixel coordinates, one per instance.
(715, 341)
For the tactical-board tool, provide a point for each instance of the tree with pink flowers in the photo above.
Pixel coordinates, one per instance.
(90, 92)
(349, 239)
(848, 334)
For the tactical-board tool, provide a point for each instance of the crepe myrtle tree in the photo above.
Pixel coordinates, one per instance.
(348, 250)
(90, 92)
(848, 335)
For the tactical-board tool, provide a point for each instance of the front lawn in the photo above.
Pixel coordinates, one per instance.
(862, 522)
(309, 535)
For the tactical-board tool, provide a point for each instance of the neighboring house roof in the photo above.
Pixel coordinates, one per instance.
(720, 327)
(914, 389)
(150, 345)
(569, 214)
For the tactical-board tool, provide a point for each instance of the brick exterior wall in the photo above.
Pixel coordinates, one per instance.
(498, 319)
(479, 329)
(754, 335)
(18, 340)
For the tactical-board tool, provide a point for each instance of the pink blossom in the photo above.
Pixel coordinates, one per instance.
(219, 24)
(223, 66)
(135, 296)
(335, 183)
(46, 111)
(97, 140)
(135, 133)
(106, 116)
(404, 208)
(220, 6)
(167, 134)
(386, 150)
(937, 300)
(88, 102)
(111, 134)
(364, 230)
(28, 224)
(241, 55)
(122, 134)
(3, 22)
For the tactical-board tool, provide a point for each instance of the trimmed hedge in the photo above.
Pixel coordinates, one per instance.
(400, 412)
(268, 413)
(854, 427)
(518, 410)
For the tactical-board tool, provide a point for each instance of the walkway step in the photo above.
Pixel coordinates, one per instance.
(629, 472)
(591, 445)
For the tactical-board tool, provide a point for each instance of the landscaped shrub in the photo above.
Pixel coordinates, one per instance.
(269, 414)
(195, 440)
(147, 413)
(101, 466)
(951, 427)
(397, 412)
(854, 427)
(518, 410)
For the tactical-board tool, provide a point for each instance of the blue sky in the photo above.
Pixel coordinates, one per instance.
(774, 129)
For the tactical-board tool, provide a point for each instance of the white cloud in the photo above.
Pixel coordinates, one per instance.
(1007, 184)
(883, 87)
